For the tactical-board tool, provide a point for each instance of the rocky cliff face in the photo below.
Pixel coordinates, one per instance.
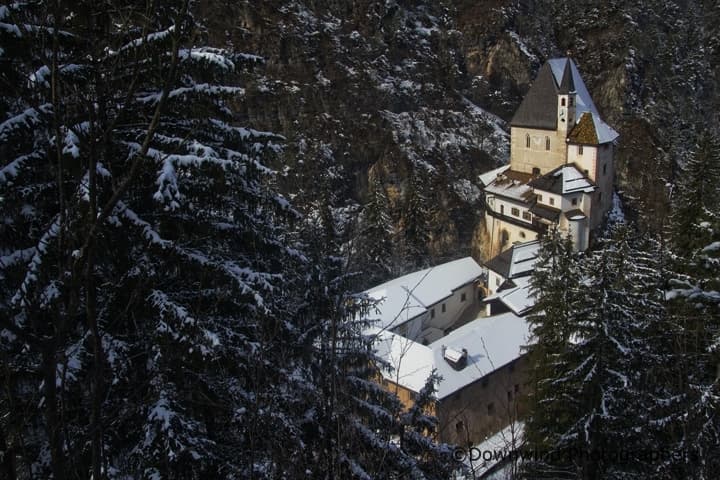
(389, 90)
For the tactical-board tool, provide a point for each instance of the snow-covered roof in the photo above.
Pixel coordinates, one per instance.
(583, 100)
(509, 184)
(507, 441)
(539, 108)
(563, 180)
(491, 343)
(406, 297)
(591, 130)
(517, 297)
(487, 177)
(517, 261)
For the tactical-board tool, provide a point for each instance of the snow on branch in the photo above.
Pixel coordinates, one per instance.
(153, 37)
(28, 118)
(148, 232)
(207, 56)
(31, 276)
(72, 141)
(12, 169)
(185, 92)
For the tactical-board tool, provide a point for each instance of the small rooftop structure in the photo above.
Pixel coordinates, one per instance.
(486, 344)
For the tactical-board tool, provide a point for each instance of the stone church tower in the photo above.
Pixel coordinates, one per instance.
(561, 164)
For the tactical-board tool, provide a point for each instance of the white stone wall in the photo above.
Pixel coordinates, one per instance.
(515, 234)
(585, 162)
(454, 306)
(507, 207)
(494, 281)
(549, 199)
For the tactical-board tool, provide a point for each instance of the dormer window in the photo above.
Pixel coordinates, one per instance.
(547, 143)
(527, 141)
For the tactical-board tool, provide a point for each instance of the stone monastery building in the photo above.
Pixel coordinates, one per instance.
(466, 321)
(561, 164)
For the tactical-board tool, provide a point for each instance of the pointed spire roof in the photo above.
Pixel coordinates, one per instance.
(567, 85)
(539, 107)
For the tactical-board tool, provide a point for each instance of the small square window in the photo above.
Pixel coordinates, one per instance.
(463, 297)
(539, 198)
(517, 388)
(432, 313)
(580, 149)
(491, 408)
(497, 281)
(509, 396)
(605, 169)
(515, 212)
(552, 201)
(527, 216)
(522, 234)
(443, 308)
(574, 201)
(485, 381)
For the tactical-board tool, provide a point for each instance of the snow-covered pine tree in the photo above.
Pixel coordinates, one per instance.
(624, 351)
(374, 244)
(143, 256)
(352, 427)
(597, 408)
(552, 401)
(695, 306)
(696, 197)
(416, 218)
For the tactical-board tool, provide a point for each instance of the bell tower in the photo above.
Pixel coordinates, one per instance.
(566, 101)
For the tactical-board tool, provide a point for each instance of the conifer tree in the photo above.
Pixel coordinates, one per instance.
(696, 199)
(555, 284)
(374, 242)
(695, 320)
(416, 219)
(142, 255)
(354, 428)
(597, 399)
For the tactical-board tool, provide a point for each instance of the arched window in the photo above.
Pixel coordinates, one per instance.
(527, 141)
(562, 102)
(547, 143)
